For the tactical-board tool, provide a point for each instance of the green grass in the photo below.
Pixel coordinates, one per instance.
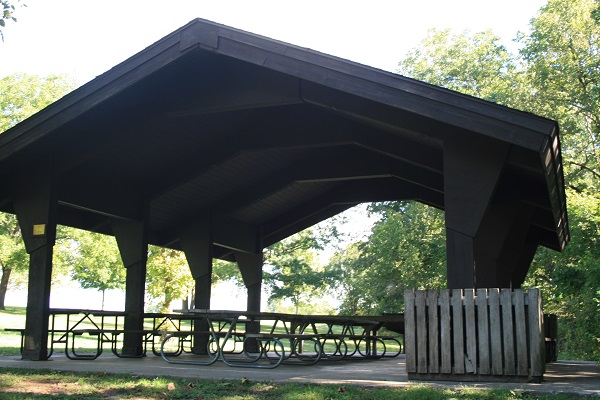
(42, 384)
(12, 317)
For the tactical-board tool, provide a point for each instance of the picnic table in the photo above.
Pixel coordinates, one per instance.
(236, 338)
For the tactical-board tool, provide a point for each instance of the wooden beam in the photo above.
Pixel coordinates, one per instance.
(132, 239)
(104, 195)
(225, 232)
(472, 170)
(36, 207)
(343, 197)
(240, 86)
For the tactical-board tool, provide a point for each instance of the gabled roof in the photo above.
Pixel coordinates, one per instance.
(265, 137)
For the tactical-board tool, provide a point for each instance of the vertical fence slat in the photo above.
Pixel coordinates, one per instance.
(458, 338)
(521, 332)
(495, 330)
(483, 332)
(433, 333)
(536, 333)
(445, 332)
(421, 332)
(410, 344)
(507, 331)
(470, 321)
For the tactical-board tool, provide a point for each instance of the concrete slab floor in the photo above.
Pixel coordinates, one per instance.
(560, 377)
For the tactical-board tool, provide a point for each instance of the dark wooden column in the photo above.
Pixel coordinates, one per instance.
(523, 263)
(250, 266)
(252, 273)
(36, 206)
(500, 245)
(133, 244)
(472, 169)
(196, 242)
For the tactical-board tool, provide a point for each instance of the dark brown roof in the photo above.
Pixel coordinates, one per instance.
(266, 137)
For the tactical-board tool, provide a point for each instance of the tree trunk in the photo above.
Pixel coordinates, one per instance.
(103, 293)
(4, 285)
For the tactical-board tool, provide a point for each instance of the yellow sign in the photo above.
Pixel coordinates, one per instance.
(39, 229)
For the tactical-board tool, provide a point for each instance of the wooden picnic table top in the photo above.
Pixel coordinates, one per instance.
(373, 320)
(70, 311)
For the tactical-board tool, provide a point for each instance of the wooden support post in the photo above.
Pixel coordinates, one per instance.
(410, 338)
(36, 206)
(250, 266)
(500, 242)
(133, 245)
(472, 169)
(196, 242)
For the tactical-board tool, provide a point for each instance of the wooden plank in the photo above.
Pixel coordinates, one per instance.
(536, 334)
(495, 330)
(410, 345)
(458, 336)
(508, 337)
(483, 332)
(421, 318)
(521, 333)
(470, 322)
(445, 332)
(433, 332)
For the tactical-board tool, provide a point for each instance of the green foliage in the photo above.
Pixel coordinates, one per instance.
(167, 276)
(472, 64)
(406, 249)
(12, 249)
(563, 66)
(93, 259)
(292, 271)
(562, 54)
(22, 95)
(570, 281)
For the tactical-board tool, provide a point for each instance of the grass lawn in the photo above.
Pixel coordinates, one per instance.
(41, 384)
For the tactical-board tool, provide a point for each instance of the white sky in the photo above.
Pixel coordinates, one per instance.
(85, 38)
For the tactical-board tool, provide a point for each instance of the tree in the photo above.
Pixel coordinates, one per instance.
(475, 64)
(168, 276)
(562, 59)
(292, 271)
(21, 95)
(562, 56)
(406, 249)
(94, 259)
(12, 252)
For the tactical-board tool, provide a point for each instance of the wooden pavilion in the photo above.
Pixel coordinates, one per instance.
(220, 142)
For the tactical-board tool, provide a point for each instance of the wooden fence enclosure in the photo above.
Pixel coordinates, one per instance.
(468, 335)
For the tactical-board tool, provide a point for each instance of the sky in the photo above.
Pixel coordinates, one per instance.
(85, 38)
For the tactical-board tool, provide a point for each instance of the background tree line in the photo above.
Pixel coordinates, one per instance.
(554, 73)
